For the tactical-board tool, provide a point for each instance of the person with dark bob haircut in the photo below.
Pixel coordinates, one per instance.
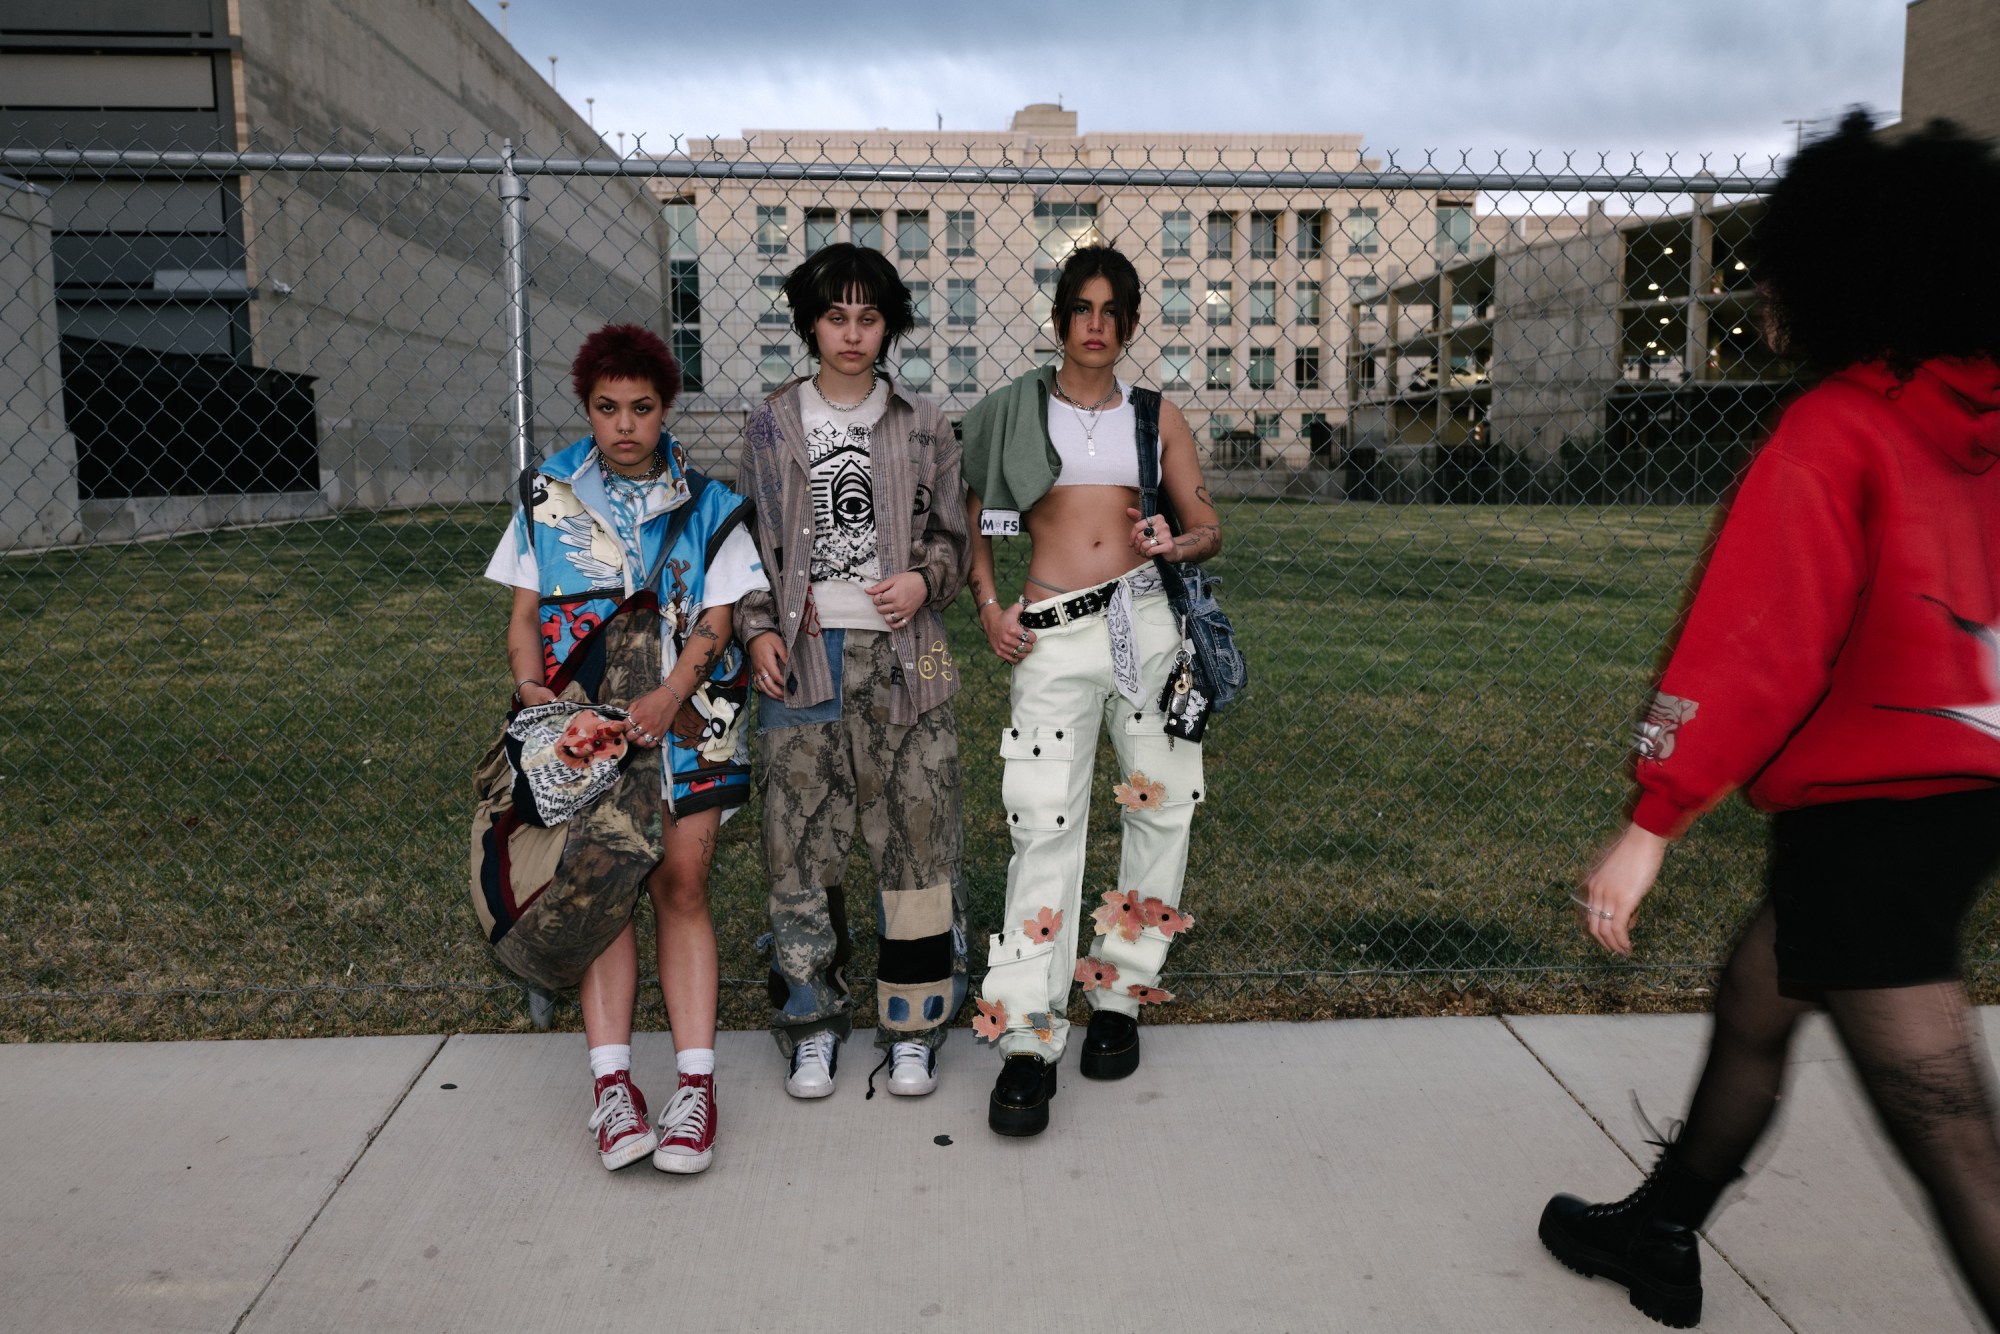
(626, 565)
(845, 273)
(1840, 662)
(1092, 641)
(861, 521)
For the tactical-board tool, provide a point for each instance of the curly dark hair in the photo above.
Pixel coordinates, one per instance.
(625, 352)
(844, 272)
(1878, 247)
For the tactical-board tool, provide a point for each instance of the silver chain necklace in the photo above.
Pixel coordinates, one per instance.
(1096, 410)
(845, 407)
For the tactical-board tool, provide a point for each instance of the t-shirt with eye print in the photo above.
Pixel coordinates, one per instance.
(839, 463)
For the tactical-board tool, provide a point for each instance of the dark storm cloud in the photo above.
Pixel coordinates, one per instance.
(1694, 76)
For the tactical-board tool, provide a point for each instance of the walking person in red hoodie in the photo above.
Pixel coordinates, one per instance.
(1840, 662)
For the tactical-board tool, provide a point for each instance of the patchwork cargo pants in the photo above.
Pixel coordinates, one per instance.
(1060, 692)
(824, 771)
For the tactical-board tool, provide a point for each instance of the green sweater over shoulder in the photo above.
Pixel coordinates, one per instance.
(1009, 461)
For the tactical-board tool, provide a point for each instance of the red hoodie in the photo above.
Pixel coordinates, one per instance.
(1845, 639)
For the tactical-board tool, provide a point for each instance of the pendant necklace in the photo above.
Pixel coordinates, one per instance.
(1096, 410)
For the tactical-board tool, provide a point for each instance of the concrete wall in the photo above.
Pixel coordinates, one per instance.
(389, 288)
(1951, 49)
(38, 502)
(1555, 340)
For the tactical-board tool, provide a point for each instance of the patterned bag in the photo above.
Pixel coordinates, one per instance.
(551, 898)
(1219, 669)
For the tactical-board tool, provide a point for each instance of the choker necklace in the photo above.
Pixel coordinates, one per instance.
(1096, 410)
(845, 407)
(651, 474)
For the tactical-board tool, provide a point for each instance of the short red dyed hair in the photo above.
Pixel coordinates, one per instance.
(625, 352)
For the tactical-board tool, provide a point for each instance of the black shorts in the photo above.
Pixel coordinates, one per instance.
(1872, 893)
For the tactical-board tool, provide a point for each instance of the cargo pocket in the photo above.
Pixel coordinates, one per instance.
(1034, 786)
(1018, 976)
(1174, 764)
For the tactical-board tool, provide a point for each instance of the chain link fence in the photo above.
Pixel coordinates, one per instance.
(260, 415)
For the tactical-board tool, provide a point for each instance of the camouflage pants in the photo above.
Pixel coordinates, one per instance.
(824, 770)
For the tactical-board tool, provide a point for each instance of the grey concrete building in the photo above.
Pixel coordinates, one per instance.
(250, 348)
(38, 474)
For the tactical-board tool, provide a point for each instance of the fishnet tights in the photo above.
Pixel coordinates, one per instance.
(1921, 1061)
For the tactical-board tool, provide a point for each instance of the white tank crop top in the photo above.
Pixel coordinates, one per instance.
(1099, 452)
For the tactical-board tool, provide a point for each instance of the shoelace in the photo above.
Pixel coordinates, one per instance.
(901, 1053)
(614, 1108)
(686, 1115)
(818, 1047)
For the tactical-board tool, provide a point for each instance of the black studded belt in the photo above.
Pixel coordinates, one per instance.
(1087, 603)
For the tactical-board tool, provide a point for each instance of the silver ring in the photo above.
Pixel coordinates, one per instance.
(1584, 904)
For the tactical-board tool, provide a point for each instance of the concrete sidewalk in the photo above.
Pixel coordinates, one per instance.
(1359, 1175)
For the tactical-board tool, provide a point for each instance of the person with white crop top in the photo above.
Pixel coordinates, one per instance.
(1092, 642)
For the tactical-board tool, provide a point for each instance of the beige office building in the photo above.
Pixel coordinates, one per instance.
(1246, 290)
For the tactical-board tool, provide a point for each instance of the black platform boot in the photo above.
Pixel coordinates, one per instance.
(1645, 1241)
(1020, 1101)
(1110, 1046)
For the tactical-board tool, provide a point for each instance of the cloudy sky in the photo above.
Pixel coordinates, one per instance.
(1721, 76)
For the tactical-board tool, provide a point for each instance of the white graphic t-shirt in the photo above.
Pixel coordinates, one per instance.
(838, 444)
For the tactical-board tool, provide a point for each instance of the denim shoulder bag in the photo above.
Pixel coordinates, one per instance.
(1220, 671)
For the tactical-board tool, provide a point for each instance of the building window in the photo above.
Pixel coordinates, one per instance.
(1220, 373)
(1366, 372)
(913, 235)
(1454, 229)
(1305, 296)
(915, 370)
(961, 370)
(772, 308)
(1221, 235)
(961, 296)
(864, 226)
(958, 232)
(687, 351)
(1364, 236)
(684, 291)
(1061, 228)
(1176, 235)
(1305, 368)
(1312, 235)
(683, 240)
(1263, 303)
(1269, 424)
(1176, 302)
(1366, 289)
(773, 231)
(822, 228)
(1042, 307)
(920, 302)
(1263, 368)
(1221, 426)
(1263, 235)
(1176, 364)
(1221, 302)
(774, 365)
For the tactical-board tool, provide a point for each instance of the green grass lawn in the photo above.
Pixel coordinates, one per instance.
(237, 769)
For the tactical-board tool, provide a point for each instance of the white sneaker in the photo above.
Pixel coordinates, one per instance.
(912, 1069)
(813, 1063)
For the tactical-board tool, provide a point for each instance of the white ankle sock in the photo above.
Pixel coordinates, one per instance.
(695, 1061)
(610, 1058)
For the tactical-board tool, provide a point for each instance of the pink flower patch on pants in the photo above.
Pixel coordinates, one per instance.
(1095, 974)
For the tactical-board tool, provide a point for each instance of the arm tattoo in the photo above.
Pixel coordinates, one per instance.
(1201, 494)
(1199, 542)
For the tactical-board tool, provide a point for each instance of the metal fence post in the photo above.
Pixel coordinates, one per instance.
(514, 267)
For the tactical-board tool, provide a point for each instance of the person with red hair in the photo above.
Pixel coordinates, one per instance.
(626, 566)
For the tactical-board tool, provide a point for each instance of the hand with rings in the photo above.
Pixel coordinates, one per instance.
(768, 664)
(1617, 884)
(898, 597)
(1005, 635)
(1152, 535)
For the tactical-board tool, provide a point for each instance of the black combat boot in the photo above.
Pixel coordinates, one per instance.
(1020, 1102)
(1645, 1241)
(1110, 1047)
